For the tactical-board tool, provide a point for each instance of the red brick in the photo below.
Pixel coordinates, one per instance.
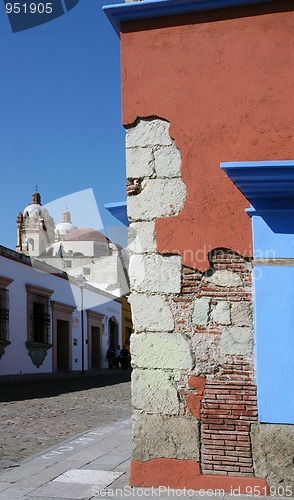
(225, 459)
(226, 468)
(222, 427)
(206, 406)
(243, 454)
(233, 443)
(247, 469)
(244, 460)
(205, 441)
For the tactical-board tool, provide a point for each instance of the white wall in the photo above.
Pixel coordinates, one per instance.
(16, 359)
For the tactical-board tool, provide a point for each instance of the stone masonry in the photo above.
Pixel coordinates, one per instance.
(193, 387)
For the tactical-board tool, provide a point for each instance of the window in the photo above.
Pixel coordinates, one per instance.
(86, 271)
(4, 309)
(67, 263)
(38, 314)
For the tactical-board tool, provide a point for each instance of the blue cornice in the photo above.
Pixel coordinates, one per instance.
(119, 211)
(266, 184)
(150, 9)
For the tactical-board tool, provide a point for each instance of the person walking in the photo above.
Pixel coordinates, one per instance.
(124, 358)
(117, 356)
(110, 357)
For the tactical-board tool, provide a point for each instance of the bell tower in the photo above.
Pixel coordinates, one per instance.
(35, 228)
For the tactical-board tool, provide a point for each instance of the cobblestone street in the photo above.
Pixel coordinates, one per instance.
(37, 415)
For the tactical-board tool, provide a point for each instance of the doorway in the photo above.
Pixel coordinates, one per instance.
(96, 352)
(62, 345)
(113, 333)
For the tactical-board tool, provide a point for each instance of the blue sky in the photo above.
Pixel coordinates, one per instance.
(60, 113)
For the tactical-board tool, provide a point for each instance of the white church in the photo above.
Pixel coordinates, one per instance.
(60, 296)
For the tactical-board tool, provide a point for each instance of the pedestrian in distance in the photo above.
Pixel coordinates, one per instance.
(117, 356)
(110, 357)
(124, 358)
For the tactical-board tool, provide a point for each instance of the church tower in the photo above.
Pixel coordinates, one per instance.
(35, 228)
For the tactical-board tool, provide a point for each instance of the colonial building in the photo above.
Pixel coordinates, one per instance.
(77, 251)
(49, 322)
(209, 118)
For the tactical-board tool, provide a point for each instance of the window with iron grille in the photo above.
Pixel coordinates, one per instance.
(4, 314)
(39, 314)
(40, 319)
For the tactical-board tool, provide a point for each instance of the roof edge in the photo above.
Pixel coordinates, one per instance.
(149, 9)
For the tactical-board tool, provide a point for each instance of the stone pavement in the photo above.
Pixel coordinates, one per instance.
(93, 465)
(45, 411)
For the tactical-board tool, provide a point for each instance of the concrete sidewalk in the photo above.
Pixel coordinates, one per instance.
(93, 465)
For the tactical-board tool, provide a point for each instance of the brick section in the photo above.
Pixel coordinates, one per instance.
(228, 403)
(195, 286)
(229, 407)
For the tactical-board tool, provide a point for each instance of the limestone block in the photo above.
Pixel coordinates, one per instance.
(221, 313)
(151, 313)
(155, 436)
(236, 340)
(272, 449)
(200, 316)
(141, 237)
(161, 350)
(148, 132)
(205, 348)
(139, 162)
(167, 161)
(153, 391)
(241, 313)
(158, 198)
(224, 278)
(155, 273)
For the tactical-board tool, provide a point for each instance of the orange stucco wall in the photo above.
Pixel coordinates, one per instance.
(224, 82)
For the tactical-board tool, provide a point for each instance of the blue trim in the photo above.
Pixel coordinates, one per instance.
(267, 184)
(119, 211)
(150, 9)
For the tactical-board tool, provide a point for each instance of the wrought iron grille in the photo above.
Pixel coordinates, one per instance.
(4, 314)
(40, 319)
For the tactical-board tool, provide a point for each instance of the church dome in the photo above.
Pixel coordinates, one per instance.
(66, 225)
(64, 228)
(86, 234)
(34, 209)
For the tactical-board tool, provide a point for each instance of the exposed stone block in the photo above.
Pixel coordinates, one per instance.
(140, 162)
(155, 273)
(151, 313)
(236, 340)
(155, 436)
(224, 278)
(153, 391)
(148, 132)
(272, 447)
(158, 198)
(161, 350)
(200, 315)
(167, 161)
(241, 313)
(141, 237)
(205, 347)
(220, 313)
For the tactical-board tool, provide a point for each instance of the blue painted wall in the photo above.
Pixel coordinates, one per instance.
(274, 329)
(273, 235)
(269, 186)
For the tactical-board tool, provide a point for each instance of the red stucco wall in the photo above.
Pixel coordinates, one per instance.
(224, 81)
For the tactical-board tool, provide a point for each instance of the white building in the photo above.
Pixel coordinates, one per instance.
(77, 251)
(48, 321)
